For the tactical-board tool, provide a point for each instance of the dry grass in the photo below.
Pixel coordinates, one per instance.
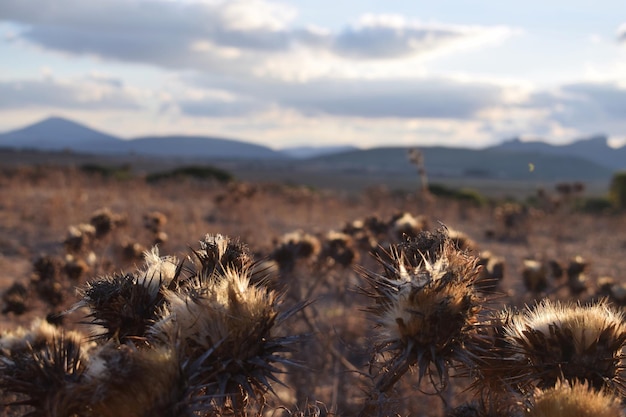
(338, 366)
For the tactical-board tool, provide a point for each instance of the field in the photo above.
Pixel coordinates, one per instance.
(333, 284)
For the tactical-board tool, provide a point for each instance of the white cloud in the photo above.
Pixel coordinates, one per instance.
(621, 33)
(76, 93)
(226, 37)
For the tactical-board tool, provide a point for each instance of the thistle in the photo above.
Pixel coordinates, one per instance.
(43, 368)
(125, 305)
(425, 307)
(232, 323)
(574, 342)
(218, 253)
(126, 381)
(578, 399)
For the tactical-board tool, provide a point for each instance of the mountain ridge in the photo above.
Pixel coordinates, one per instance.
(587, 158)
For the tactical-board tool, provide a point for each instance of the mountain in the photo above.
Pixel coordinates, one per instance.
(466, 163)
(56, 133)
(199, 147)
(594, 148)
(587, 159)
(304, 152)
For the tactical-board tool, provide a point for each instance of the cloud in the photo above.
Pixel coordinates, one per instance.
(587, 106)
(621, 33)
(390, 36)
(82, 93)
(215, 107)
(226, 36)
(376, 98)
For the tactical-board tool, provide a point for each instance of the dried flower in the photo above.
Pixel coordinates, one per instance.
(425, 308)
(125, 305)
(575, 342)
(578, 399)
(43, 367)
(235, 322)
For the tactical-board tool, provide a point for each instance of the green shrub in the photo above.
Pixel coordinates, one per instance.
(106, 171)
(467, 195)
(594, 205)
(193, 171)
(617, 191)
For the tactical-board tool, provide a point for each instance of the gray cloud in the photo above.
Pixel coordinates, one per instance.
(584, 105)
(621, 33)
(408, 98)
(220, 108)
(166, 33)
(385, 40)
(77, 95)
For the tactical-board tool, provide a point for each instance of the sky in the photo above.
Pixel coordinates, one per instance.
(468, 73)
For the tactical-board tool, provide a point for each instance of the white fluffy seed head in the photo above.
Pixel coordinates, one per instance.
(585, 323)
(159, 271)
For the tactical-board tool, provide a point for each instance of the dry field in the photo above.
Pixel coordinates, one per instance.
(341, 295)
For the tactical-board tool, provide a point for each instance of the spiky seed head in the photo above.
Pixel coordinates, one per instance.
(79, 237)
(404, 225)
(425, 312)
(571, 341)
(43, 366)
(75, 267)
(104, 221)
(576, 266)
(126, 381)
(133, 251)
(218, 253)
(154, 221)
(567, 399)
(491, 273)
(294, 246)
(234, 322)
(124, 305)
(338, 248)
(158, 271)
(497, 371)
(15, 299)
(535, 276)
(461, 240)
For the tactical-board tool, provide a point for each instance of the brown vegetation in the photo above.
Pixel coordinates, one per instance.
(263, 299)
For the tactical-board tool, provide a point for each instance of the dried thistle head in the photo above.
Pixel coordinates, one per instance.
(403, 225)
(125, 305)
(232, 324)
(15, 299)
(154, 221)
(571, 341)
(43, 368)
(535, 276)
(499, 375)
(578, 399)
(491, 273)
(79, 237)
(104, 221)
(294, 246)
(338, 249)
(123, 380)
(219, 253)
(425, 309)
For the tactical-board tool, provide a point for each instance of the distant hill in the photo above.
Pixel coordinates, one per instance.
(199, 146)
(55, 134)
(584, 160)
(455, 162)
(594, 148)
(304, 152)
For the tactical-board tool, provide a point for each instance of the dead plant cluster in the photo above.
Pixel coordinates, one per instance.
(199, 299)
